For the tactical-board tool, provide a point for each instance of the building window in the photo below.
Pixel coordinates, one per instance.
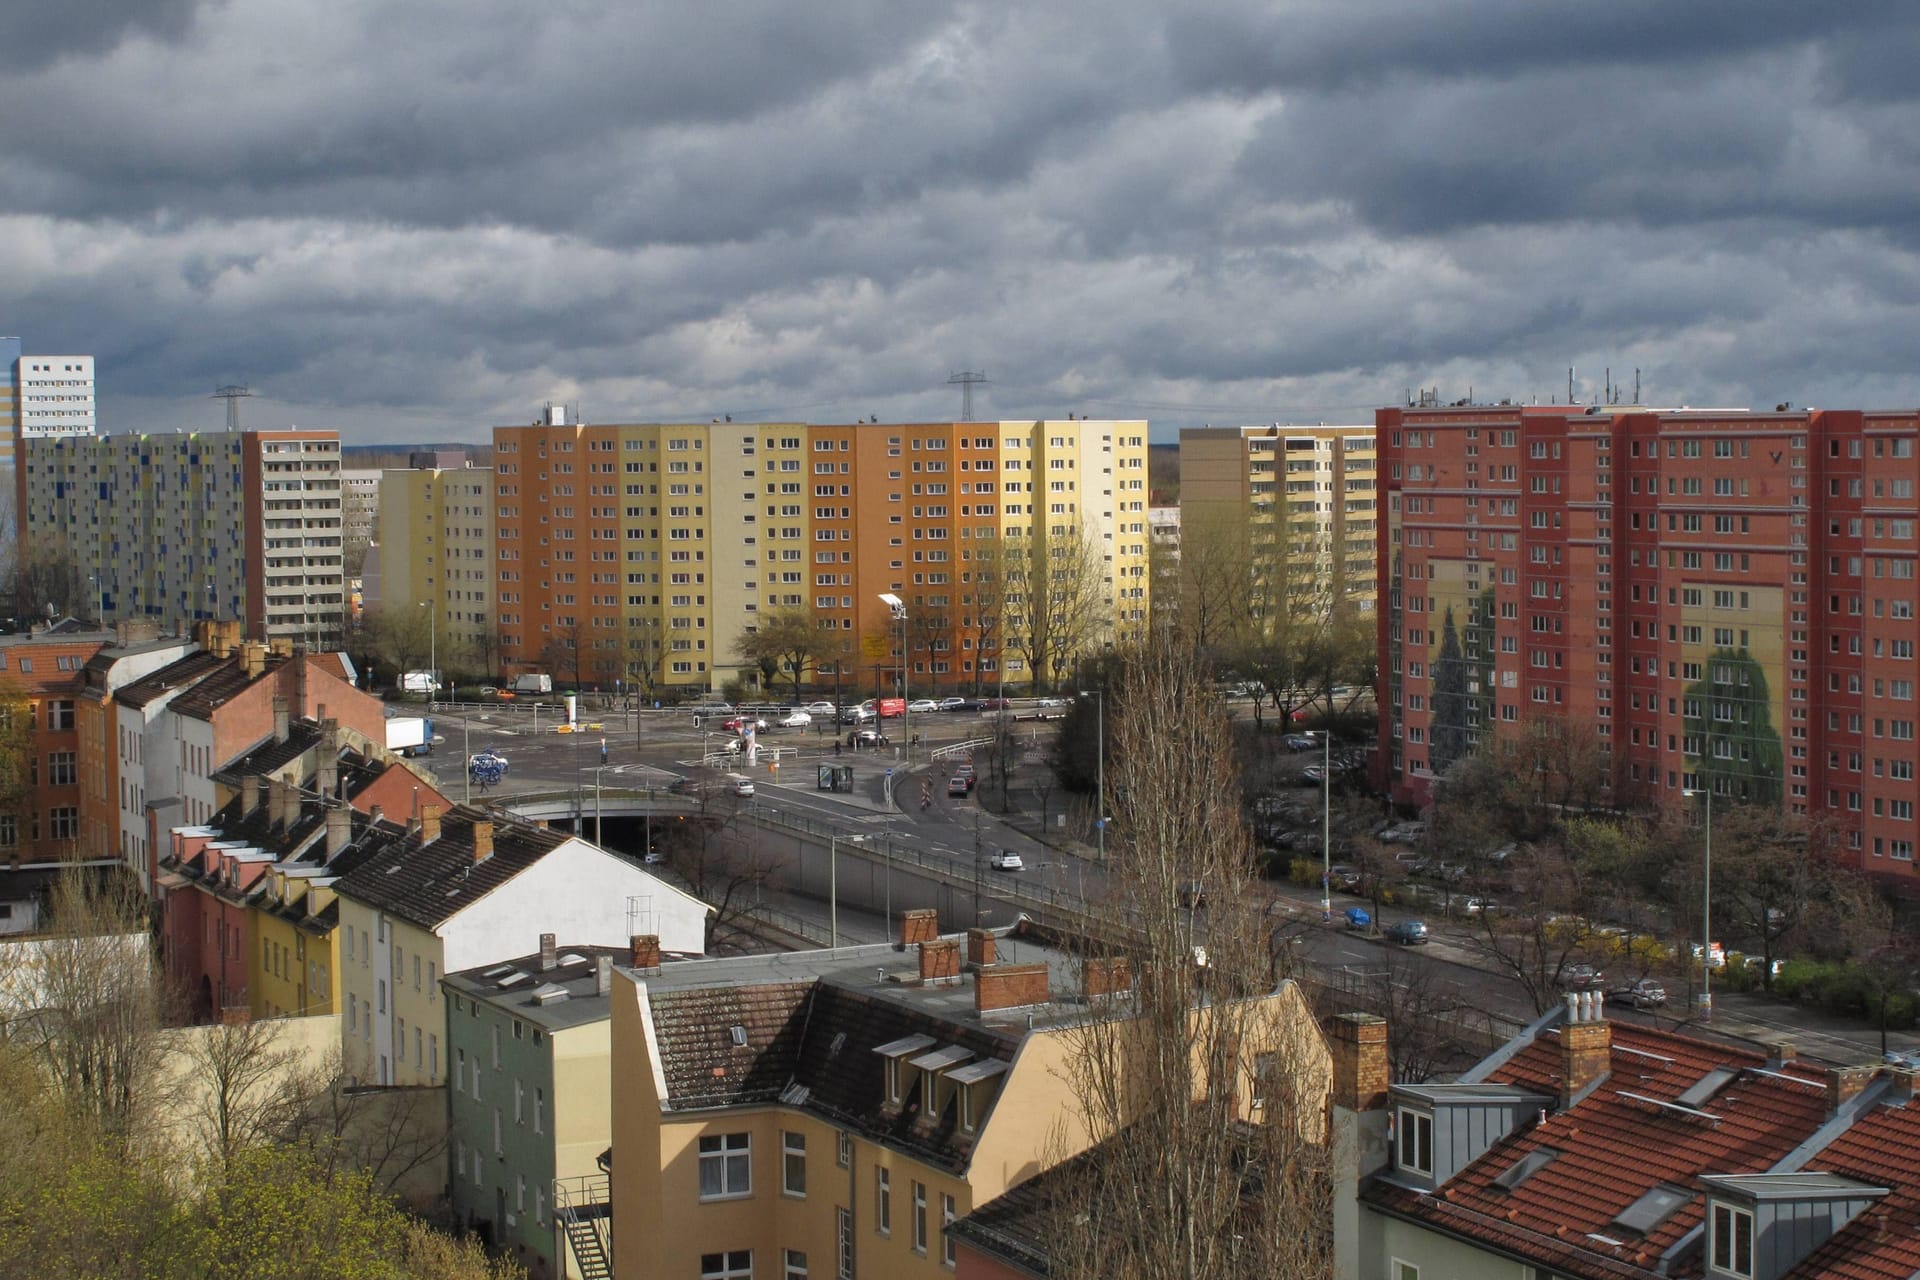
(62, 770)
(947, 1216)
(735, 1264)
(793, 1265)
(1732, 1240)
(846, 1151)
(845, 1234)
(793, 1163)
(539, 1109)
(1405, 1270)
(920, 1217)
(59, 713)
(725, 1166)
(882, 1201)
(65, 823)
(1416, 1141)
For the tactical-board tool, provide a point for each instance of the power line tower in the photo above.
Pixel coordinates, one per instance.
(232, 394)
(967, 381)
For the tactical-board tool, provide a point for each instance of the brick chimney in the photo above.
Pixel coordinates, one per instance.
(922, 925)
(250, 788)
(280, 722)
(603, 975)
(254, 655)
(1844, 1085)
(1586, 1045)
(430, 828)
(1901, 1078)
(980, 946)
(940, 960)
(339, 829)
(1106, 975)
(482, 841)
(1779, 1054)
(276, 802)
(1360, 1071)
(1009, 986)
(549, 953)
(646, 952)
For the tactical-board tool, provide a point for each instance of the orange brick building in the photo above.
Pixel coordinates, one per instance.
(1727, 598)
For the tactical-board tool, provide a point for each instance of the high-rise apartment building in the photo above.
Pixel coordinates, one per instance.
(41, 397)
(184, 527)
(1725, 599)
(642, 552)
(437, 550)
(1297, 502)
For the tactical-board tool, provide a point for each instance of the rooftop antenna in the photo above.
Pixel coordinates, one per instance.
(966, 381)
(232, 393)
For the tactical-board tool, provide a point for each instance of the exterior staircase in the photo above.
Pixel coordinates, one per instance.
(584, 1207)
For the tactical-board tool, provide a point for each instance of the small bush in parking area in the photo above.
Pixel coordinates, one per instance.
(1843, 988)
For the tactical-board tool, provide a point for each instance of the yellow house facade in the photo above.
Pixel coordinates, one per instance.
(831, 1113)
(295, 970)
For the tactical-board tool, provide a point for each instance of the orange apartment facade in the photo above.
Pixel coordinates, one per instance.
(629, 550)
(42, 678)
(1727, 598)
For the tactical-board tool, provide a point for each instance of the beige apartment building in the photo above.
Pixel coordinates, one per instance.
(1300, 501)
(437, 550)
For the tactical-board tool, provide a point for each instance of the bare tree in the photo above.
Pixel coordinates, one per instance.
(784, 640)
(1058, 598)
(721, 865)
(392, 1135)
(644, 655)
(400, 634)
(566, 652)
(1202, 1088)
(87, 1002)
(983, 600)
(239, 1081)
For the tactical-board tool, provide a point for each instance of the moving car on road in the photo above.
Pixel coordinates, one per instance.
(920, 706)
(795, 719)
(1006, 860)
(740, 724)
(958, 785)
(1407, 933)
(952, 704)
(820, 708)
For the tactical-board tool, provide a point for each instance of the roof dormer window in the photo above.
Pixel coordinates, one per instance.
(1730, 1241)
(1413, 1131)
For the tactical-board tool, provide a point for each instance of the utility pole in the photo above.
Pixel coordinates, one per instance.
(967, 380)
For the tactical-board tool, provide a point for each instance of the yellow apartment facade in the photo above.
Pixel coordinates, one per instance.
(436, 549)
(832, 1113)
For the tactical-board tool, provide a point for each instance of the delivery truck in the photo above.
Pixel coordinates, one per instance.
(410, 735)
(533, 682)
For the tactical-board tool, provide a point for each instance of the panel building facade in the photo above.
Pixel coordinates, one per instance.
(149, 523)
(1724, 599)
(438, 551)
(642, 552)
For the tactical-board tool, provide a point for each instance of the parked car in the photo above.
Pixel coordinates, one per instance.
(795, 719)
(1581, 977)
(1359, 918)
(1479, 906)
(995, 704)
(870, 738)
(1345, 878)
(953, 704)
(1313, 773)
(1300, 742)
(1647, 993)
(921, 706)
(1407, 933)
(1403, 833)
(1006, 860)
(740, 724)
(959, 786)
(740, 784)
(822, 708)
(1050, 702)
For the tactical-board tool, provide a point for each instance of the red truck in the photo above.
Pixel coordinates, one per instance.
(890, 708)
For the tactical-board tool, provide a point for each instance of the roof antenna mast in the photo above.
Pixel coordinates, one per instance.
(233, 393)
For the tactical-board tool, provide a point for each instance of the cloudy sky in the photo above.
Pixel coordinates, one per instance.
(412, 221)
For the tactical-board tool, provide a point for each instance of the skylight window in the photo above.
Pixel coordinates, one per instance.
(1706, 1086)
(1653, 1208)
(1525, 1167)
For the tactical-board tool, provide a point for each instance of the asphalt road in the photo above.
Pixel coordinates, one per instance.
(654, 748)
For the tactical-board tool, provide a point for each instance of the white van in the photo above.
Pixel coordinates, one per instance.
(739, 783)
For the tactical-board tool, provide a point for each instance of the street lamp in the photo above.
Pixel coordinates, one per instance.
(1326, 828)
(1706, 908)
(1100, 770)
(433, 651)
(899, 610)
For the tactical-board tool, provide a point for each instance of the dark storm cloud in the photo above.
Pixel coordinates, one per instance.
(44, 35)
(428, 217)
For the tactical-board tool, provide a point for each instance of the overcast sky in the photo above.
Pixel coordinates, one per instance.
(412, 221)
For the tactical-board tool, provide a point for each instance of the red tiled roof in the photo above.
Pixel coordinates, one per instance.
(1882, 1147)
(1613, 1149)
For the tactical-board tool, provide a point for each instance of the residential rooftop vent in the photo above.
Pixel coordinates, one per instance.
(1706, 1086)
(1525, 1167)
(1653, 1208)
(739, 1037)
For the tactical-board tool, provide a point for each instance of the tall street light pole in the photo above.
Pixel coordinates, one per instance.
(433, 651)
(1326, 827)
(899, 609)
(1706, 908)
(1100, 770)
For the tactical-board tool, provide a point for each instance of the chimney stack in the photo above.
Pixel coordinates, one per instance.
(339, 829)
(276, 801)
(980, 946)
(254, 655)
(603, 975)
(250, 788)
(482, 841)
(375, 814)
(280, 722)
(549, 953)
(1009, 986)
(921, 925)
(430, 828)
(1360, 1070)
(329, 779)
(1844, 1085)
(1901, 1078)
(1779, 1054)
(940, 960)
(646, 952)
(1586, 1045)
(1106, 975)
